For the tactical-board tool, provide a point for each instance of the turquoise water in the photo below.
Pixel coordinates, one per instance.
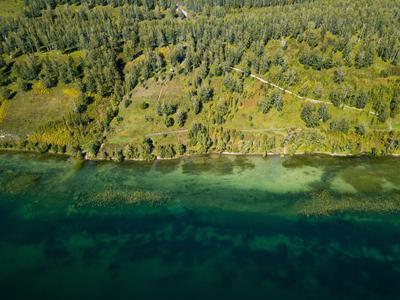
(205, 227)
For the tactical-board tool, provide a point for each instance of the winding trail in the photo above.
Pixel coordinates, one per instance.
(273, 129)
(297, 95)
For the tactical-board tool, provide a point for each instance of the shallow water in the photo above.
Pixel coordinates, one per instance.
(222, 227)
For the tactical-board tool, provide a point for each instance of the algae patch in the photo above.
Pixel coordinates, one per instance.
(119, 198)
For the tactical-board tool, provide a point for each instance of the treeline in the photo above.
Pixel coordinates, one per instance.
(66, 29)
(202, 139)
(34, 8)
(200, 5)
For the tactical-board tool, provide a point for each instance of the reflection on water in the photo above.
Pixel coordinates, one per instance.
(203, 227)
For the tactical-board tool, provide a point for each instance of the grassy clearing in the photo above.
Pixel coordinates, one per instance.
(29, 110)
(134, 125)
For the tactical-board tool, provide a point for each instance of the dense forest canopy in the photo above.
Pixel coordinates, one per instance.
(343, 55)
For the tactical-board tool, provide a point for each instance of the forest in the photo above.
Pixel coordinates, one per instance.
(147, 79)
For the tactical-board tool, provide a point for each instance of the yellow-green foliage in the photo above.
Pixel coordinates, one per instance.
(28, 111)
(3, 105)
(54, 136)
(10, 8)
(323, 203)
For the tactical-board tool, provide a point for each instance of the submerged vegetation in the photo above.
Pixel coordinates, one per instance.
(323, 203)
(240, 227)
(119, 198)
(140, 79)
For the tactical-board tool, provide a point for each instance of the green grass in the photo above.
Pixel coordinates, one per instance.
(10, 8)
(247, 117)
(29, 110)
(134, 125)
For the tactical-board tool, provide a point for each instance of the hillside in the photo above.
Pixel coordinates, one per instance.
(139, 79)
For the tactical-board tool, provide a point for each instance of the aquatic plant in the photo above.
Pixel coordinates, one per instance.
(324, 203)
(119, 198)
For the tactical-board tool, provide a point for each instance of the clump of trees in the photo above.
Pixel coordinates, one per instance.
(313, 115)
(315, 60)
(273, 99)
(199, 138)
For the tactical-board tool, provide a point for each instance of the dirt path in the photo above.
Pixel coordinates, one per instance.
(167, 132)
(298, 96)
(4, 135)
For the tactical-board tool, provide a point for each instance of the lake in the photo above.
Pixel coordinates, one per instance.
(226, 227)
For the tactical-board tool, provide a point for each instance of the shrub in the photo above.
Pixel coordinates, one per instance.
(310, 116)
(361, 100)
(144, 105)
(181, 118)
(127, 102)
(182, 149)
(24, 85)
(94, 148)
(394, 106)
(197, 106)
(206, 93)
(8, 94)
(324, 113)
(272, 99)
(338, 75)
(265, 105)
(147, 146)
(169, 122)
(341, 126)
(360, 130)
(118, 156)
(198, 136)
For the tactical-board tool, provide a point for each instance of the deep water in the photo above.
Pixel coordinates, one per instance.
(213, 227)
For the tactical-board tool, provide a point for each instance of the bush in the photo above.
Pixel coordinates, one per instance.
(144, 105)
(318, 91)
(147, 146)
(169, 122)
(272, 99)
(310, 116)
(8, 94)
(361, 100)
(338, 75)
(265, 105)
(181, 118)
(360, 130)
(323, 113)
(197, 106)
(341, 126)
(167, 151)
(170, 109)
(277, 100)
(24, 85)
(206, 94)
(118, 156)
(394, 106)
(198, 136)
(94, 148)
(182, 149)
(127, 102)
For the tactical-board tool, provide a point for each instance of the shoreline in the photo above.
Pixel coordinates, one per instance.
(192, 155)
